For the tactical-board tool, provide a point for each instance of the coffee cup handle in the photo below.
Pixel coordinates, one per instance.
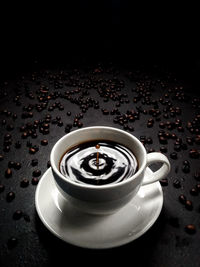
(152, 177)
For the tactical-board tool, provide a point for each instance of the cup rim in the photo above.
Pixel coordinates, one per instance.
(89, 186)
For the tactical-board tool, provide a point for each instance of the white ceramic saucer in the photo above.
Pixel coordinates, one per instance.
(91, 231)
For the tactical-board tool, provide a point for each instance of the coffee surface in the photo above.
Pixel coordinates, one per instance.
(98, 162)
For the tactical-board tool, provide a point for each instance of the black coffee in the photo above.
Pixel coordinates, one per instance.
(98, 162)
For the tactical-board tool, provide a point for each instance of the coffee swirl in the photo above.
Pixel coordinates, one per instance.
(98, 163)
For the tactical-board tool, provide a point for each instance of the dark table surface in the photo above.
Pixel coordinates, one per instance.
(99, 61)
(153, 93)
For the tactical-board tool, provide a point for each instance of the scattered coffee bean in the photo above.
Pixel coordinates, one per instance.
(10, 196)
(11, 164)
(188, 205)
(164, 182)
(34, 162)
(182, 198)
(44, 142)
(194, 191)
(197, 188)
(26, 217)
(197, 175)
(2, 187)
(17, 214)
(24, 183)
(193, 153)
(12, 242)
(34, 181)
(173, 155)
(48, 164)
(190, 229)
(8, 173)
(1, 157)
(176, 183)
(17, 166)
(36, 173)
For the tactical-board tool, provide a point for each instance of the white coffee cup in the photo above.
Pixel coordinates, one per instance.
(105, 199)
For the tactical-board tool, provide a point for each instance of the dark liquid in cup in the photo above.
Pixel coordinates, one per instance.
(98, 162)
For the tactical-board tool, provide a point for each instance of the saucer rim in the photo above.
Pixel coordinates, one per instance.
(106, 246)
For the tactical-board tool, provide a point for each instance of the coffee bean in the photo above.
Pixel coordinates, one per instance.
(36, 173)
(34, 162)
(190, 229)
(173, 155)
(17, 144)
(1, 157)
(197, 175)
(164, 182)
(24, 183)
(69, 113)
(44, 142)
(188, 205)
(48, 164)
(34, 181)
(186, 168)
(26, 217)
(2, 187)
(194, 191)
(176, 183)
(17, 214)
(197, 188)
(17, 166)
(11, 164)
(12, 242)
(8, 173)
(193, 153)
(182, 199)
(32, 150)
(10, 196)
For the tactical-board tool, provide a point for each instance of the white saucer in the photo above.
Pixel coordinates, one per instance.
(90, 231)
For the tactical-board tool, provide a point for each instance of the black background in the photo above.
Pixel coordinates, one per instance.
(80, 33)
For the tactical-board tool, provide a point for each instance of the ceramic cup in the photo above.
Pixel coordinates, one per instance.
(105, 199)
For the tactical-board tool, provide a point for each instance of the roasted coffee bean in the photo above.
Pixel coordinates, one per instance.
(173, 155)
(188, 205)
(34, 181)
(44, 142)
(176, 183)
(193, 153)
(164, 182)
(182, 198)
(1, 157)
(197, 188)
(163, 149)
(34, 162)
(10, 196)
(190, 229)
(17, 144)
(6, 148)
(8, 173)
(11, 164)
(48, 164)
(186, 168)
(17, 215)
(12, 242)
(26, 217)
(32, 150)
(36, 173)
(17, 166)
(194, 191)
(69, 113)
(197, 175)
(2, 187)
(24, 183)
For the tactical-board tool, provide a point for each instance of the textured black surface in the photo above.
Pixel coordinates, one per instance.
(167, 243)
(54, 49)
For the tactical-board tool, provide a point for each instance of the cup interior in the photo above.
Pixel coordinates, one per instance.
(101, 133)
